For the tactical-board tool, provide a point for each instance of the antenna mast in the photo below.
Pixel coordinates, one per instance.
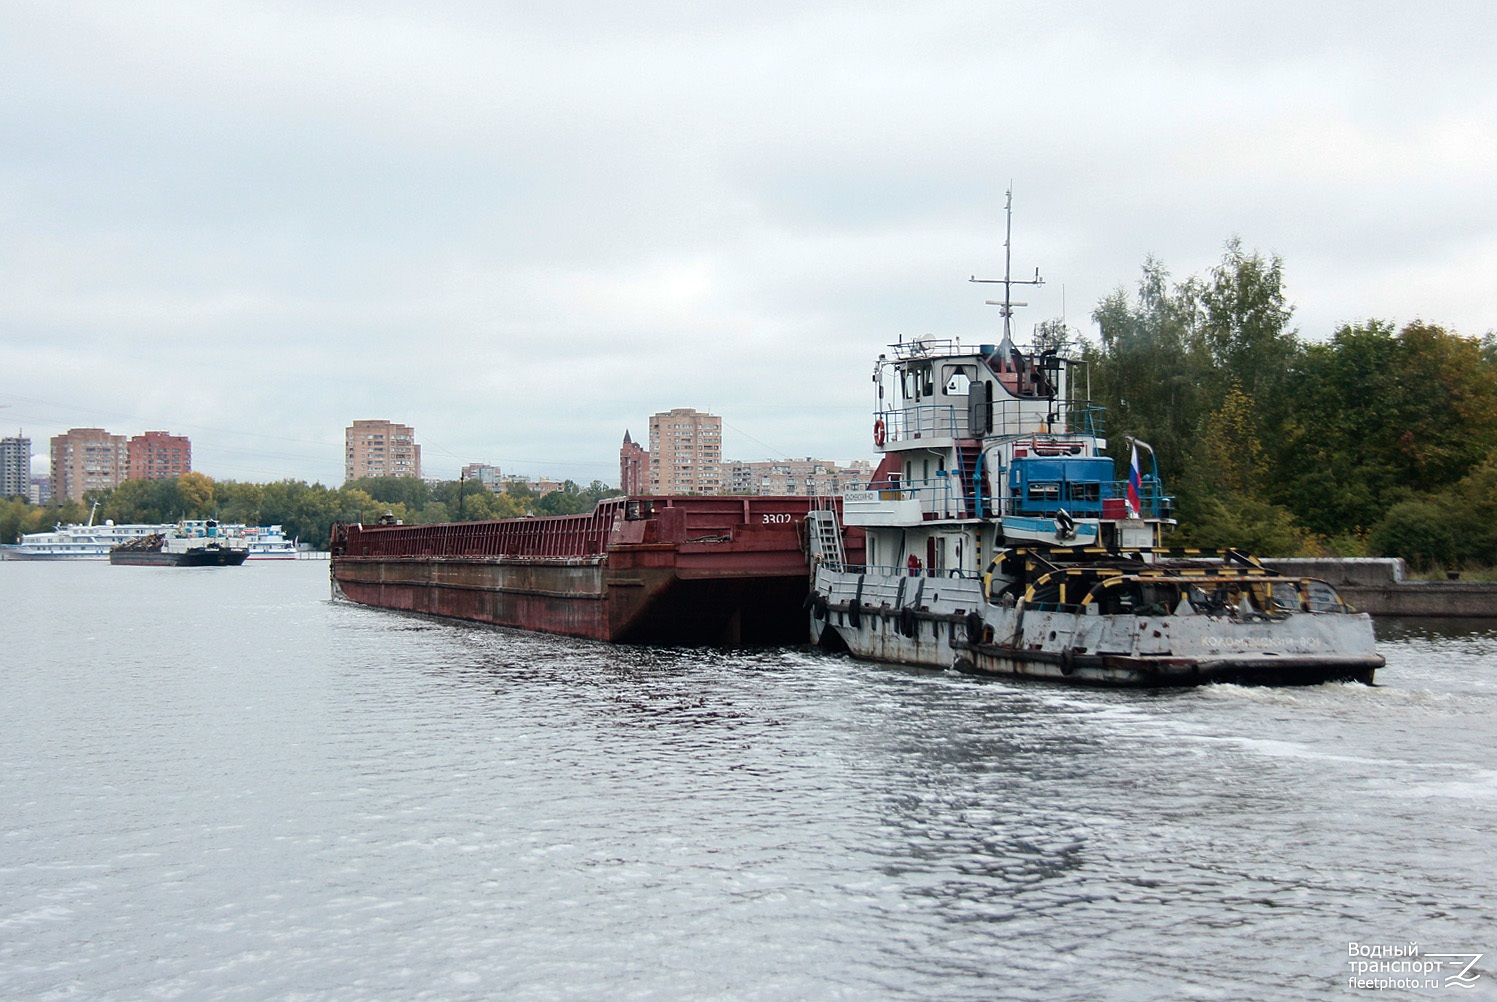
(1006, 304)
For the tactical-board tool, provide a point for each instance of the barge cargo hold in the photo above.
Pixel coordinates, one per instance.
(649, 570)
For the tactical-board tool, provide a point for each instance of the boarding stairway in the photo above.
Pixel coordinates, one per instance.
(969, 454)
(825, 538)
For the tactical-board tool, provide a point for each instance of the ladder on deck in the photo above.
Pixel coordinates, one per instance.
(969, 455)
(826, 538)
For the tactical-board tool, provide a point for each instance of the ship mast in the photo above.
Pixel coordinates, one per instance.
(1006, 304)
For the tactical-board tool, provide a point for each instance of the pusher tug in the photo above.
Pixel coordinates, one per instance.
(998, 541)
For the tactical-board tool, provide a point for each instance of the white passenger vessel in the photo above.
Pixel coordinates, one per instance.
(78, 542)
(93, 542)
(998, 539)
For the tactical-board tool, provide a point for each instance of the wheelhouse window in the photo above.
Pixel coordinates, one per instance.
(1043, 490)
(957, 379)
(919, 382)
(1084, 491)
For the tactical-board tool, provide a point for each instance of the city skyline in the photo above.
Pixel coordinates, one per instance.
(164, 453)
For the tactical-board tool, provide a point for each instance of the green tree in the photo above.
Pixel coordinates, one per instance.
(568, 501)
(306, 511)
(143, 501)
(1244, 322)
(598, 490)
(434, 513)
(409, 491)
(14, 513)
(504, 506)
(465, 499)
(1230, 453)
(1054, 333)
(1243, 521)
(1152, 369)
(1418, 530)
(1170, 357)
(239, 502)
(1470, 507)
(522, 493)
(1379, 418)
(355, 505)
(1222, 502)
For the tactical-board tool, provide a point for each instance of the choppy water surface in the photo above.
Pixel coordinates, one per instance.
(220, 785)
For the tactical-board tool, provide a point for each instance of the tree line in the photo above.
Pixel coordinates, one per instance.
(1376, 442)
(305, 511)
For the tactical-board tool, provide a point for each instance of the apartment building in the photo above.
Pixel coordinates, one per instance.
(490, 476)
(15, 466)
(86, 459)
(159, 455)
(685, 452)
(375, 448)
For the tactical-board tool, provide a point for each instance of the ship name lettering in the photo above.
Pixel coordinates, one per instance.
(1265, 643)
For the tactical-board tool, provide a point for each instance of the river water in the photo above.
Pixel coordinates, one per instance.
(219, 784)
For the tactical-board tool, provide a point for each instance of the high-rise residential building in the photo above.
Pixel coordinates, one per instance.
(490, 476)
(686, 451)
(87, 459)
(15, 466)
(159, 455)
(634, 467)
(380, 449)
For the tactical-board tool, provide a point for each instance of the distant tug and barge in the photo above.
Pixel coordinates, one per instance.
(994, 538)
(198, 543)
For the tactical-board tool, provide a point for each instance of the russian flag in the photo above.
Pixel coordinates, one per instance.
(1135, 483)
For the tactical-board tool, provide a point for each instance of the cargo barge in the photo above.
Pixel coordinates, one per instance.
(197, 543)
(162, 550)
(648, 570)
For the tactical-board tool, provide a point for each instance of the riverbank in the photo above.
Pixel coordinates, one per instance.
(1380, 586)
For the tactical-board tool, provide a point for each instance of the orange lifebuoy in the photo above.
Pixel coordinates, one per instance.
(878, 432)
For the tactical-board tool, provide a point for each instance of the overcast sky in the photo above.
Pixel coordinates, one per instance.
(522, 228)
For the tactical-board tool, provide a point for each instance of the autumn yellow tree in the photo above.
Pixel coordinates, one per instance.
(197, 494)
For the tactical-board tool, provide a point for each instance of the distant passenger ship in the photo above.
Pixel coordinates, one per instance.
(77, 542)
(267, 542)
(93, 542)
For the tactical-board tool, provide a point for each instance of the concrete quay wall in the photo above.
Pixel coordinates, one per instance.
(1377, 585)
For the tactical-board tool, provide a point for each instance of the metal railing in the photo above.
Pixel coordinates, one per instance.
(1023, 416)
(950, 495)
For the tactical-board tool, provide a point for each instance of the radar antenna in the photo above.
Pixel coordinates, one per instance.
(1006, 304)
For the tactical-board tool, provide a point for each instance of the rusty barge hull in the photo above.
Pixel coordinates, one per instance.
(676, 571)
